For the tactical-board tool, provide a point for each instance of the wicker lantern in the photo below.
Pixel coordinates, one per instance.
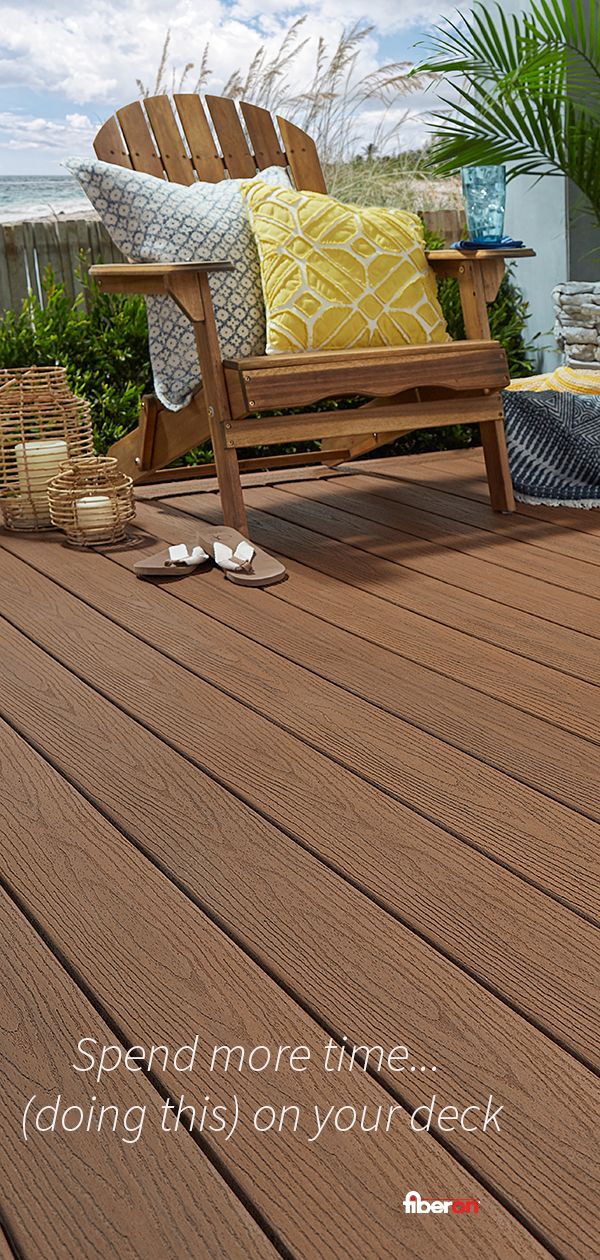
(42, 424)
(91, 501)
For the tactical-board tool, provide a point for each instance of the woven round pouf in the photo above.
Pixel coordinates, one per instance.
(91, 501)
(42, 424)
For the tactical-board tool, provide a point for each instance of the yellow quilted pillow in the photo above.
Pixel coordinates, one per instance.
(336, 276)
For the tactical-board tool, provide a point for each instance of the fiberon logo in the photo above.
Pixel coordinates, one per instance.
(413, 1202)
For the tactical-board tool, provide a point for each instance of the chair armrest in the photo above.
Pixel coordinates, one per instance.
(490, 262)
(456, 257)
(479, 273)
(148, 277)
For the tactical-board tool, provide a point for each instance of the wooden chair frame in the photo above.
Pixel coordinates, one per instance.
(410, 387)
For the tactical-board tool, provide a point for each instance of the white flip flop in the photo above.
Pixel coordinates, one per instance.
(239, 559)
(173, 562)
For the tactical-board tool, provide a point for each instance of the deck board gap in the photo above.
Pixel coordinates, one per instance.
(330, 865)
(154, 1080)
(302, 739)
(162, 1090)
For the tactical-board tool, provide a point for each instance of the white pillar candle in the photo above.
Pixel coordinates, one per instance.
(94, 513)
(37, 463)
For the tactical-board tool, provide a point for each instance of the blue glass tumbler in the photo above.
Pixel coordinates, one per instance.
(484, 191)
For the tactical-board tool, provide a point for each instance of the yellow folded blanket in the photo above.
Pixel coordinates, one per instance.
(563, 380)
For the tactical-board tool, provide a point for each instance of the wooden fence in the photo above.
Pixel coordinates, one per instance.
(27, 249)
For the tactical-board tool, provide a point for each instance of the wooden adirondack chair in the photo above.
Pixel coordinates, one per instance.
(408, 387)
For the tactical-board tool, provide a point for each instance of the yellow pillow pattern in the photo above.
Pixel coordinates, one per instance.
(337, 276)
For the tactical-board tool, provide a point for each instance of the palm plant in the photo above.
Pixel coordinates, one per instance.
(525, 92)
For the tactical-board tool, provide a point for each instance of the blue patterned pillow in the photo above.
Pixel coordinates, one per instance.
(151, 220)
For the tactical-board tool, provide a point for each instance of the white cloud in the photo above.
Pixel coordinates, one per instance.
(20, 131)
(94, 53)
(87, 57)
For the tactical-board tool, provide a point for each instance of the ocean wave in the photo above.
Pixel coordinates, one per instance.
(30, 213)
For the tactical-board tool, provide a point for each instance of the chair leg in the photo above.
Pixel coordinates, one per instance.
(497, 467)
(230, 489)
(228, 475)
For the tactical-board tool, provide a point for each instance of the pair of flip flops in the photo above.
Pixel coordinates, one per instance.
(239, 559)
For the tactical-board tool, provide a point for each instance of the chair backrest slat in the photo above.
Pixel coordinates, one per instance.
(151, 140)
(263, 136)
(236, 154)
(139, 141)
(171, 144)
(205, 155)
(303, 159)
(109, 144)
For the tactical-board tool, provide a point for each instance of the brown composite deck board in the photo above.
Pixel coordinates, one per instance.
(391, 752)
(323, 1199)
(362, 497)
(181, 1200)
(407, 865)
(168, 944)
(409, 489)
(464, 476)
(483, 619)
(568, 703)
(289, 823)
(6, 1251)
(348, 612)
(452, 572)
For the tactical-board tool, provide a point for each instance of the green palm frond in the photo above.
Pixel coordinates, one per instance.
(526, 92)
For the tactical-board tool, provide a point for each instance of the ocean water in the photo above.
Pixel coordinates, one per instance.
(37, 196)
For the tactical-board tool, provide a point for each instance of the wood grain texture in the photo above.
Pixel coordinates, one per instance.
(370, 354)
(166, 971)
(381, 501)
(140, 145)
(385, 421)
(266, 478)
(408, 487)
(266, 844)
(524, 684)
(302, 156)
(109, 145)
(459, 367)
(230, 134)
(79, 1193)
(263, 136)
(207, 160)
(176, 161)
(483, 619)
(540, 974)
(6, 1251)
(507, 588)
(535, 837)
(484, 1048)
(463, 477)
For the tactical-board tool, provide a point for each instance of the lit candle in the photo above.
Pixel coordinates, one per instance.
(95, 514)
(37, 463)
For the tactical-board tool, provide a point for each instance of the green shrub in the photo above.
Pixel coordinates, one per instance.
(102, 341)
(104, 349)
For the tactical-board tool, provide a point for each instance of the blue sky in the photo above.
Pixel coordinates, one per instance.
(64, 70)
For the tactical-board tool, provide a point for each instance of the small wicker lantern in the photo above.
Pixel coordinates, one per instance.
(42, 424)
(91, 501)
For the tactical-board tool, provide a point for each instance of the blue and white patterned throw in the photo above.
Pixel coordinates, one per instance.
(554, 447)
(151, 220)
